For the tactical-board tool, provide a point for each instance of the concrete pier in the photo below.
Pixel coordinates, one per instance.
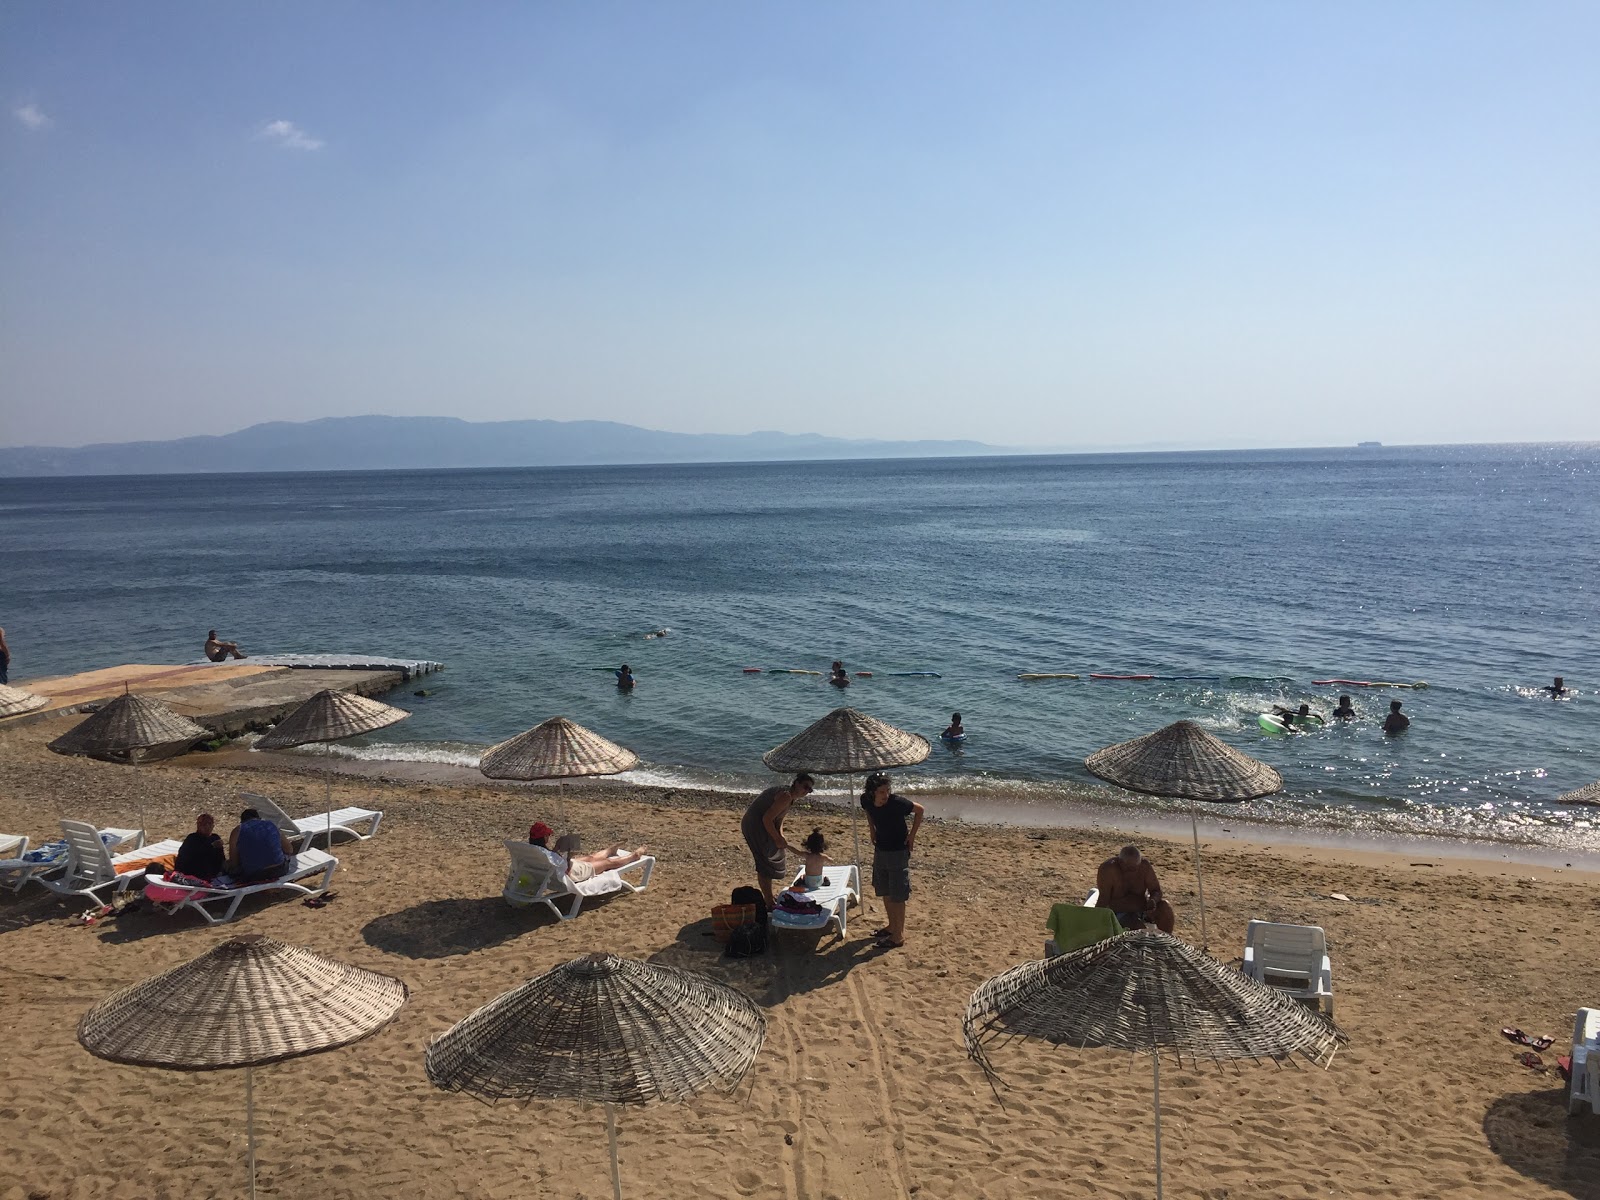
(227, 698)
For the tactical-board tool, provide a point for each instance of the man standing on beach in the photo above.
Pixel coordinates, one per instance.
(762, 826)
(1129, 888)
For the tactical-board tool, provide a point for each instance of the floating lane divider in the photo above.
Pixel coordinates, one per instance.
(1366, 683)
(915, 674)
(1121, 677)
(1047, 675)
(791, 671)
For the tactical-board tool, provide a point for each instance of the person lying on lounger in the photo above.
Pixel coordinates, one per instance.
(581, 867)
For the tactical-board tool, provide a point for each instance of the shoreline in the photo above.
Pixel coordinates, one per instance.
(1221, 824)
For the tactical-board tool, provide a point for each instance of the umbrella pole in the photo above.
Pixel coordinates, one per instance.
(328, 808)
(1199, 881)
(611, 1132)
(1156, 1059)
(250, 1125)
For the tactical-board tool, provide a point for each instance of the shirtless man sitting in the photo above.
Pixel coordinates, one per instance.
(1129, 888)
(219, 651)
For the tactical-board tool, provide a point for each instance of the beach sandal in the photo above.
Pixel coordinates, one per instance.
(1564, 1067)
(1531, 1060)
(320, 901)
(878, 933)
(1522, 1039)
(887, 943)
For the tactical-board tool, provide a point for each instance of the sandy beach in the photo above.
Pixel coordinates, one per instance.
(864, 1088)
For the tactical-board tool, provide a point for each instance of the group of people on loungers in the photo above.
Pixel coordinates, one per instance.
(256, 850)
(1126, 881)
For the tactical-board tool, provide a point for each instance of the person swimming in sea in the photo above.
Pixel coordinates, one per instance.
(1559, 688)
(955, 729)
(1396, 721)
(624, 678)
(840, 677)
(1345, 711)
(1302, 716)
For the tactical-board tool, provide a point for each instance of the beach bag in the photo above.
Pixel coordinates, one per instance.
(725, 918)
(747, 941)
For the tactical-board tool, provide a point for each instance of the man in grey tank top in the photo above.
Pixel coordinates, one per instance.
(762, 826)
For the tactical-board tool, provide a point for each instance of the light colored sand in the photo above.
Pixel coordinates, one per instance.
(864, 1089)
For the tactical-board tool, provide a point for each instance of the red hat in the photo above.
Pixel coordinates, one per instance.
(539, 831)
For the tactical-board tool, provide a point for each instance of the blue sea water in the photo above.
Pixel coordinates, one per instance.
(1472, 568)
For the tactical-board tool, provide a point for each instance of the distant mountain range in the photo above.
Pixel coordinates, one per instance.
(398, 443)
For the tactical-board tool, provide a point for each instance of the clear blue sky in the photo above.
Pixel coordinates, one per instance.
(1028, 223)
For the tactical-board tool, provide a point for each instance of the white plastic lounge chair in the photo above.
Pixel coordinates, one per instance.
(91, 868)
(18, 867)
(535, 879)
(13, 845)
(309, 876)
(843, 888)
(300, 830)
(1584, 1087)
(1291, 958)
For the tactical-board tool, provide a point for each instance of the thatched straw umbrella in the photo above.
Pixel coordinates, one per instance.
(556, 749)
(1583, 795)
(1144, 991)
(605, 1030)
(245, 1003)
(1185, 761)
(330, 716)
(128, 728)
(847, 742)
(14, 701)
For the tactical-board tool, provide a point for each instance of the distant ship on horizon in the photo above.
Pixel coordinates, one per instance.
(1368, 445)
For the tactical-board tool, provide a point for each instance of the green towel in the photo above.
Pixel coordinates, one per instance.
(1073, 926)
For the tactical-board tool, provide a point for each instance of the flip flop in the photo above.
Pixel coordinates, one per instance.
(1564, 1066)
(878, 933)
(1522, 1039)
(885, 943)
(1531, 1060)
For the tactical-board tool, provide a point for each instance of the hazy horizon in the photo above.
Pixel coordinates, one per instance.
(1058, 228)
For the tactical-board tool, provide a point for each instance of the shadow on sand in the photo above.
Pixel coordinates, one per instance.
(1534, 1136)
(795, 962)
(36, 906)
(446, 928)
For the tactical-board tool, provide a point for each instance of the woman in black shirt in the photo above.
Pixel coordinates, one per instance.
(892, 840)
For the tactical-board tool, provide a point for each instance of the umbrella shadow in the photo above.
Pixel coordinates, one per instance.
(796, 961)
(448, 928)
(1533, 1135)
(21, 912)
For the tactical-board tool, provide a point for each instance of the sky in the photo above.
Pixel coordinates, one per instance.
(1051, 224)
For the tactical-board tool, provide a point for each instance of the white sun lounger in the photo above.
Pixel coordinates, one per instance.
(836, 896)
(12, 845)
(1291, 958)
(1584, 1086)
(90, 868)
(300, 830)
(309, 876)
(535, 879)
(16, 869)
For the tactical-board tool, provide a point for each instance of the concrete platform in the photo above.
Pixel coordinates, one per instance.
(227, 698)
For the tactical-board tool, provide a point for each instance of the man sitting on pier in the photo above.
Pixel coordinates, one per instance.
(218, 651)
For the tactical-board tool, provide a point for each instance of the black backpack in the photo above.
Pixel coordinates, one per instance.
(747, 941)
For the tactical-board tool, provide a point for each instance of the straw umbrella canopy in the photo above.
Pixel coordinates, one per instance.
(127, 727)
(1144, 991)
(330, 716)
(848, 742)
(245, 1003)
(1185, 761)
(556, 749)
(604, 1030)
(14, 701)
(1583, 795)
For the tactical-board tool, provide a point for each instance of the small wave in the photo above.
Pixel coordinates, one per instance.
(453, 754)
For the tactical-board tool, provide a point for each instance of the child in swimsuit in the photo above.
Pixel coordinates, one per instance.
(817, 861)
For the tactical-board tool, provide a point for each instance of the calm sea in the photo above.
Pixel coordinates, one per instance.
(1472, 568)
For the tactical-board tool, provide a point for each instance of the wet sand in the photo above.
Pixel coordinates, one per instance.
(863, 1089)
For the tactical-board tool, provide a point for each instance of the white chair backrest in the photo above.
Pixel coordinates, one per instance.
(532, 861)
(1296, 949)
(87, 856)
(270, 811)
